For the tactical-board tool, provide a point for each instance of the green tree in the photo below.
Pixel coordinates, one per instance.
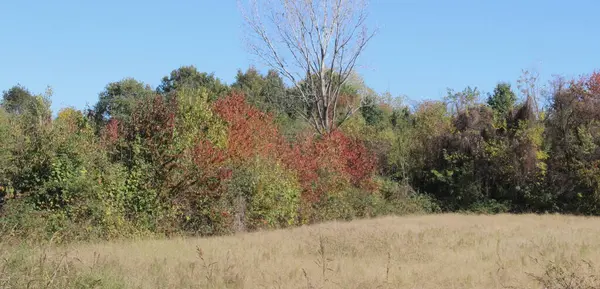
(119, 98)
(190, 77)
(16, 99)
(573, 137)
(371, 111)
(265, 92)
(503, 99)
(32, 148)
(463, 100)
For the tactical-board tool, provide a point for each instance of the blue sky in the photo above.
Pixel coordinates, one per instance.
(423, 47)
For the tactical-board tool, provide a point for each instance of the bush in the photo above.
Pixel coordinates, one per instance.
(6, 154)
(264, 195)
(331, 164)
(20, 221)
(390, 199)
(326, 165)
(402, 199)
(489, 207)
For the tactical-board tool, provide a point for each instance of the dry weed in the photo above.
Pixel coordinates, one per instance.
(437, 251)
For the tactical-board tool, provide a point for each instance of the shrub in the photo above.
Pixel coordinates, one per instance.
(490, 207)
(264, 195)
(402, 199)
(171, 152)
(20, 221)
(328, 165)
(331, 164)
(391, 198)
(7, 143)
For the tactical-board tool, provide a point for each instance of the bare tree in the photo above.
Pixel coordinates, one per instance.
(314, 44)
(529, 88)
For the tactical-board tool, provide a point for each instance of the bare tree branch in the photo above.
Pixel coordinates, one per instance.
(315, 45)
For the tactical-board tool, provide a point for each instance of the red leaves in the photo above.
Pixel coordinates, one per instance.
(328, 164)
(358, 162)
(584, 96)
(205, 155)
(251, 131)
(593, 83)
(112, 130)
(323, 165)
(333, 161)
(209, 162)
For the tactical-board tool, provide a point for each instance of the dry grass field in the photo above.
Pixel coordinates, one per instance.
(437, 251)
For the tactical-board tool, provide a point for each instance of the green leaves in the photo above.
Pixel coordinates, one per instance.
(502, 100)
(189, 77)
(266, 92)
(196, 121)
(272, 194)
(16, 100)
(118, 100)
(464, 100)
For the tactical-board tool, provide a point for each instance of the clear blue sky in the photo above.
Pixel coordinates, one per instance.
(423, 47)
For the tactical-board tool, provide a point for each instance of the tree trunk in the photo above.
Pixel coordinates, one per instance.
(239, 220)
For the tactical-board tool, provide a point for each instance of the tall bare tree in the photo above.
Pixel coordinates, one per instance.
(529, 88)
(315, 44)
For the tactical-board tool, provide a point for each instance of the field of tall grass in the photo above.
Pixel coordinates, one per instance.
(436, 251)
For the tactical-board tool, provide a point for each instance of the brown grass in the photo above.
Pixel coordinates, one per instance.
(438, 251)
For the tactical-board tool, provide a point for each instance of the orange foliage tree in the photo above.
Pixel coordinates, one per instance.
(324, 164)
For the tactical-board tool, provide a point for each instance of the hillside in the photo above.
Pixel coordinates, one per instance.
(437, 251)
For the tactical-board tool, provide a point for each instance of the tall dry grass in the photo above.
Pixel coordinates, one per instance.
(438, 251)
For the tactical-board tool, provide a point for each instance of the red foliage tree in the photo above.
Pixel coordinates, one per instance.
(111, 131)
(593, 83)
(250, 131)
(334, 160)
(322, 164)
(208, 161)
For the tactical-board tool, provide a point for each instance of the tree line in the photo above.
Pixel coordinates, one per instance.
(197, 156)
(306, 142)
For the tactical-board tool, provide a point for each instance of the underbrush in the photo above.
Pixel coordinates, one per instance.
(268, 205)
(20, 223)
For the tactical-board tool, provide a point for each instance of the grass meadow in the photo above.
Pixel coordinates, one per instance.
(434, 251)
